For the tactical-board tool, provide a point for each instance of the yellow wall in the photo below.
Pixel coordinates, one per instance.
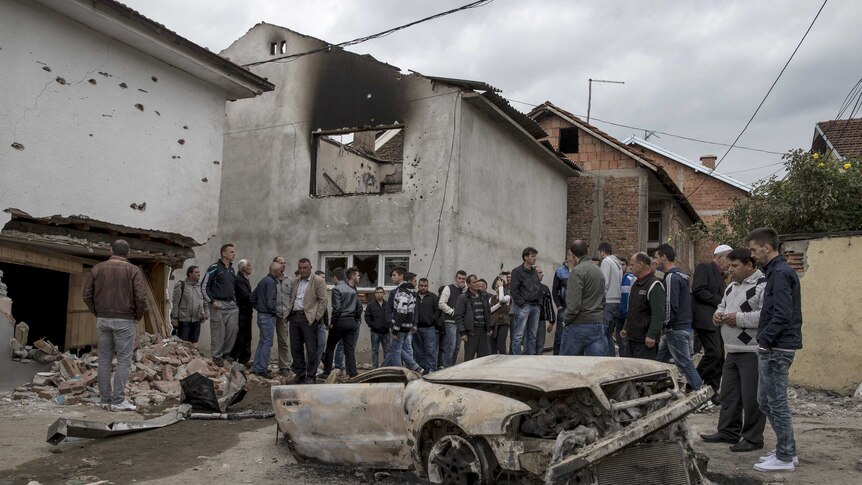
(831, 357)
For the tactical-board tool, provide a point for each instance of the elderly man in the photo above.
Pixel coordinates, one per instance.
(242, 347)
(115, 293)
(706, 290)
(265, 301)
(307, 304)
(219, 291)
(188, 310)
(282, 333)
(646, 310)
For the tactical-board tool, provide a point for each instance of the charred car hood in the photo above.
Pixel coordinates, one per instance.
(547, 373)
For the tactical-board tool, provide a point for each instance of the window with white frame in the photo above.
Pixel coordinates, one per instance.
(374, 268)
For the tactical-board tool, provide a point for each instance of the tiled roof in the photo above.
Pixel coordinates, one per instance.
(550, 108)
(633, 140)
(842, 136)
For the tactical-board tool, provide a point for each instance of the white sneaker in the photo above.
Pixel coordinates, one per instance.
(775, 465)
(124, 406)
(106, 407)
(771, 455)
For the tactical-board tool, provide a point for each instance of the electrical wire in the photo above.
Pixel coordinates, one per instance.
(764, 98)
(359, 40)
(593, 118)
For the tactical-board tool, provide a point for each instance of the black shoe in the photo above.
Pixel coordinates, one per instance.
(718, 438)
(310, 380)
(715, 399)
(744, 446)
(265, 374)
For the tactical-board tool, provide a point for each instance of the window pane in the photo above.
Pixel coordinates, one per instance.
(367, 265)
(392, 262)
(330, 263)
(654, 230)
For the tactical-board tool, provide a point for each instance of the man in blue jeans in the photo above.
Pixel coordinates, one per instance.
(446, 303)
(264, 299)
(425, 338)
(779, 336)
(115, 293)
(558, 291)
(613, 274)
(584, 333)
(526, 292)
(676, 342)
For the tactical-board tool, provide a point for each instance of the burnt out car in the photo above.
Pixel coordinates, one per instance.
(552, 419)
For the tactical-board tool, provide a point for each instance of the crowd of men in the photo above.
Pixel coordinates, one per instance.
(603, 305)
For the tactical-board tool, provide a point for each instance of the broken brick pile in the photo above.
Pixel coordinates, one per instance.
(158, 365)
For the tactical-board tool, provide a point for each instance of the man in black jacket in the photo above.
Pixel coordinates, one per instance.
(219, 292)
(779, 336)
(707, 290)
(425, 336)
(547, 314)
(242, 288)
(375, 317)
(526, 291)
(472, 315)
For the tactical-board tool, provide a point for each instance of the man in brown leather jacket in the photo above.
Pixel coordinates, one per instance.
(115, 293)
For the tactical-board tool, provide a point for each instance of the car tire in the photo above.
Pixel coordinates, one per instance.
(457, 459)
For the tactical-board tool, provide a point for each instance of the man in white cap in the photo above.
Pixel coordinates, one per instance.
(707, 290)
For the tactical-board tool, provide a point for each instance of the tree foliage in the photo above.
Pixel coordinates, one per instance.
(817, 194)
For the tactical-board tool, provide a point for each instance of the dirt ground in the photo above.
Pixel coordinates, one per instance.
(828, 430)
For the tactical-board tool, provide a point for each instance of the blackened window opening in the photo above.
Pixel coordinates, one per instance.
(569, 140)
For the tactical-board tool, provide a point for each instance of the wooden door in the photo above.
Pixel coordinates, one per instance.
(80, 323)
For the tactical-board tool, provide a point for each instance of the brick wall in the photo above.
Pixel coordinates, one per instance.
(393, 149)
(620, 214)
(593, 154)
(711, 196)
(580, 215)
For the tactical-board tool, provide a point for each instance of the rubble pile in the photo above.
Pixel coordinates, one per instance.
(158, 365)
(816, 402)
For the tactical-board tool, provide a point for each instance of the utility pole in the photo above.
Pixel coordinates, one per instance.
(590, 93)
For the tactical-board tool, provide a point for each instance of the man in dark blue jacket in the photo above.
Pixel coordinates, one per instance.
(264, 299)
(779, 336)
(677, 322)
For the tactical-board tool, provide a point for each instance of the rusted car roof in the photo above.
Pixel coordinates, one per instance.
(546, 373)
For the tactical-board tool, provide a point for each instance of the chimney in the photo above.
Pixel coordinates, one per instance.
(708, 161)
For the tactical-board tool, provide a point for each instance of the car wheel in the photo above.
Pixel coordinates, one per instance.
(456, 459)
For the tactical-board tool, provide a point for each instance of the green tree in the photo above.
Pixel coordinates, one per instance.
(817, 194)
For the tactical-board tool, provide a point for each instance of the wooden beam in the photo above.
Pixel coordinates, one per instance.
(36, 259)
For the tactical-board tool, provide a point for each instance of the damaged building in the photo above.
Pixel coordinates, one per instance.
(112, 128)
(353, 162)
(625, 198)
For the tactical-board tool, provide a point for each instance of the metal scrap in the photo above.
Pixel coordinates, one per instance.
(78, 428)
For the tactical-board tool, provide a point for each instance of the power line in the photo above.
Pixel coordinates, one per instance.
(477, 4)
(661, 132)
(764, 98)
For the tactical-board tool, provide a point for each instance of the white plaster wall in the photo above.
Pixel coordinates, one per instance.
(266, 209)
(87, 149)
(509, 199)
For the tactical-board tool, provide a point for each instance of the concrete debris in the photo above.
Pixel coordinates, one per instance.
(858, 395)
(22, 331)
(158, 366)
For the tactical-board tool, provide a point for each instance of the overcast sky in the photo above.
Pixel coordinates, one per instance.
(691, 68)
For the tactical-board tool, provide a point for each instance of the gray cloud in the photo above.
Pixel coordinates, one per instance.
(694, 68)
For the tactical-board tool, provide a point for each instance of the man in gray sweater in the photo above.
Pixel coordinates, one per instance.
(584, 333)
(740, 421)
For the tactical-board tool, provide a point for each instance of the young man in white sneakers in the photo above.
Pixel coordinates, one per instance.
(779, 336)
